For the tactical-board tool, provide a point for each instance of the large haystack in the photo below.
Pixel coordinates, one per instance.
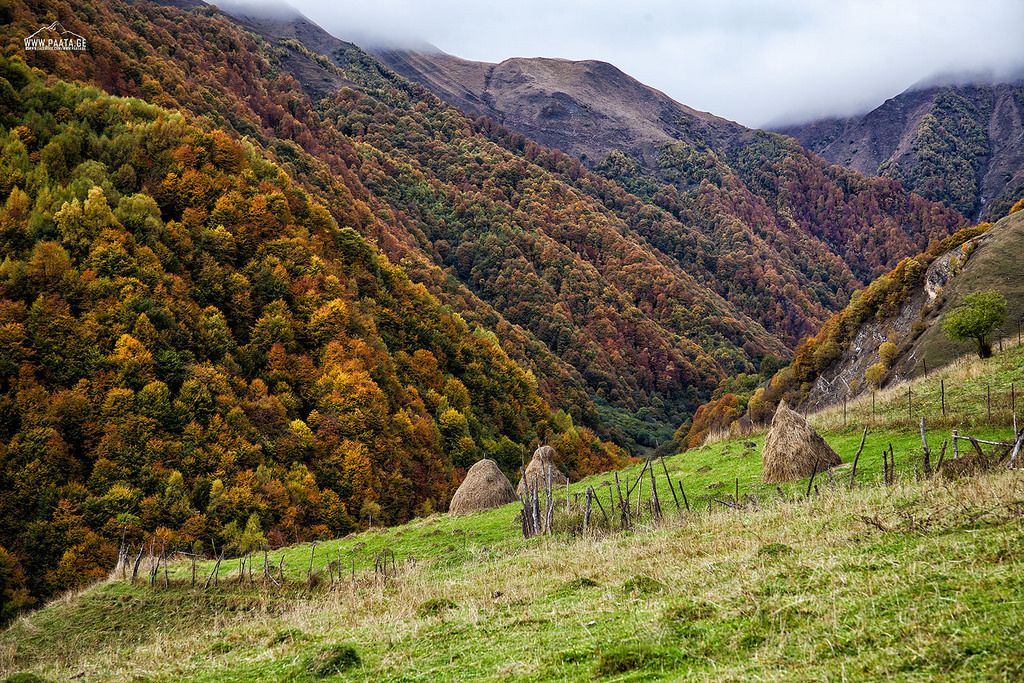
(793, 450)
(536, 473)
(483, 488)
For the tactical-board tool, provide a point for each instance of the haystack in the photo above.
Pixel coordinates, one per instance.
(483, 488)
(536, 473)
(793, 450)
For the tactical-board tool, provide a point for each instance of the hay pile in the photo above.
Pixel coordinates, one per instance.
(536, 472)
(792, 448)
(483, 488)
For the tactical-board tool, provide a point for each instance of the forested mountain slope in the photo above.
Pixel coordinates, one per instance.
(988, 261)
(569, 283)
(962, 145)
(193, 348)
(891, 331)
(778, 218)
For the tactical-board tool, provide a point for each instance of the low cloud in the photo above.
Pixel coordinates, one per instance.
(756, 62)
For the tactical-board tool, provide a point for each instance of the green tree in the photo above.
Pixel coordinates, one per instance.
(875, 375)
(251, 538)
(976, 320)
(887, 352)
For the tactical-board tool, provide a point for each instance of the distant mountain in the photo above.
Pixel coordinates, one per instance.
(768, 217)
(962, 145)
(585, 108)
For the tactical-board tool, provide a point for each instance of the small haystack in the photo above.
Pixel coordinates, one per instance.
(483, 488)
(793, 450)
(536, 473)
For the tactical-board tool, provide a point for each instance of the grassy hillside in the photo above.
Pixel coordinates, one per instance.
(908, 581)
(993, 264)
(905, 308)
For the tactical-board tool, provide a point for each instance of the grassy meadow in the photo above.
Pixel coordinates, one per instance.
(918, 580)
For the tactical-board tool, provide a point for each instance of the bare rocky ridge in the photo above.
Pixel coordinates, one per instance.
(979, 179)
(586, 108)
(989, 261)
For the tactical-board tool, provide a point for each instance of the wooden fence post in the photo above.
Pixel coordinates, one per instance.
(853, 470)
(810, 481)
(926, 465)
(669, 480)
(942, 388)
(312, 554)
(655, 503)
(586, 510)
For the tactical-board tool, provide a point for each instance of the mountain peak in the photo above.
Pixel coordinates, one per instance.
(954, 138)
(587, 108)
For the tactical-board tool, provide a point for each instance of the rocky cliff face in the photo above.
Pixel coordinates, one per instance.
(962, 145)
(846, 376)
(989, 261)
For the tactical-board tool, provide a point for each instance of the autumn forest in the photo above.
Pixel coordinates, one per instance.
(256, 288)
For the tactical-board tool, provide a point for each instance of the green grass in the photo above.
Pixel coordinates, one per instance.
(916, 581)
(978, 393)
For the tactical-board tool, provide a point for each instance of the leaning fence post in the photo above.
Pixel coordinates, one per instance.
(942, 455)
(1016, 447)
(669, 479)
(853, 470)
(312, 554)
(811, 480)
(682, 492)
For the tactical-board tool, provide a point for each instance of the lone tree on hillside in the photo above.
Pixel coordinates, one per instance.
(980, 314)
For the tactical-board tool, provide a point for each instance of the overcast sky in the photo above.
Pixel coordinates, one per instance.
(754, 61)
